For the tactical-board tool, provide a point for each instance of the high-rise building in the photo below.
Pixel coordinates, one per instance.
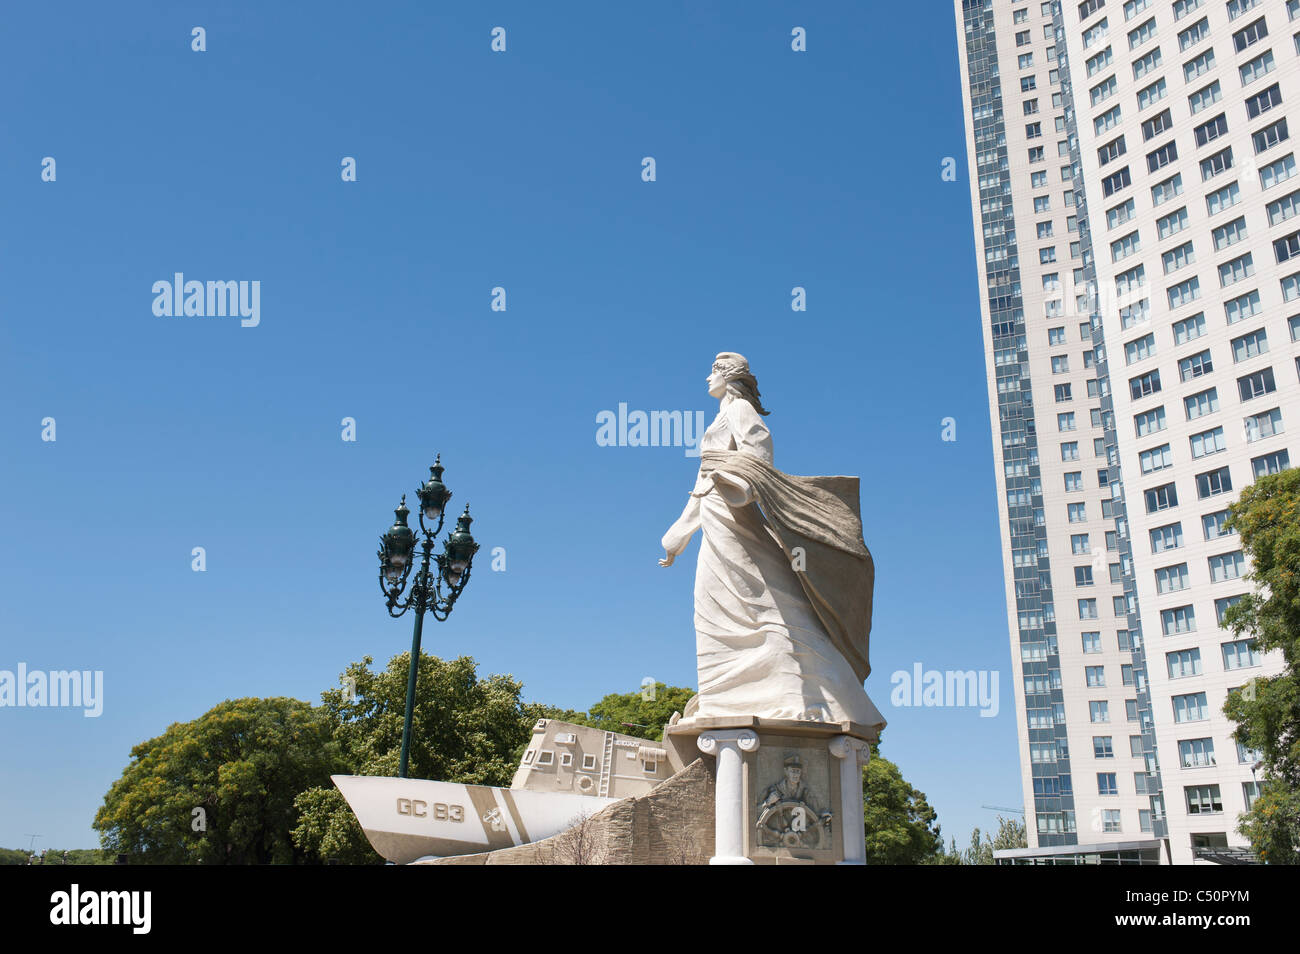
(1137, 226)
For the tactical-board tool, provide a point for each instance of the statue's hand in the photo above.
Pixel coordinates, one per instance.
(668, 560)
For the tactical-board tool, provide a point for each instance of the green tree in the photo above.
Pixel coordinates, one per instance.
(1267, 710)
(1011, 834)
(464, 729)
(642, 713)
(219, 789)
(902, 828)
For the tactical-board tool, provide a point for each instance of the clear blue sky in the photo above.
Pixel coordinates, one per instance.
(475, 169)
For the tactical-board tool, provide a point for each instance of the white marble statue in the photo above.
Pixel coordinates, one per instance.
(784, 581)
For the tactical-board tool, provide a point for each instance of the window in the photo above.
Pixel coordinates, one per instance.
(1047, 255)
(1237, 7)
(1074, 481)
(1194, 366)
(1273, 463)
(1172, 223)
(1227, 566)
(1222, 605)
(1196, 753)
(1106, 784)
(1214, 525)
(1259, 66)
(1240, 654)
(1259, 426)
(1145, 384)
(1191, 707)
(1184, 293)
(1186, 662)
(1207, 443)
(1210, 130)
(1162, 192)
(1095, 33)
(1236, 270)
(1070, 451)
(1095, 676)
(1213, 482)
(1249, 35)
(1229, 234)
(1205, 97)
(1065, 421)
(1146, 64)
(1216, 164)
(546, 758)
(1184, 7)
(1111, 151)
(1149, 422)
(1176, 258)
(1168, 580)
(1194, 34)
(1103, 90)
(1238, 309)
(1249, 345)
(1270, 136)
(1151, 94)
(1133, 7)
(1095, 64)
(1222, 199)
(1161, 498)
(1062, 392)
(1140, 349)
(1191, 327)
(1157, 458)
(1284, 208)
(1143, 33)
(1254, 385)
(1135, 314)
(1180, 619)
(1113, 183)
(1077, 512)
(1060, 363)
(1102, 748)
(1198, 66)
(1087, 609)
(1106, 120)
(1263, 102)
(1275, 172)
(1079, 544)
(1168, 537)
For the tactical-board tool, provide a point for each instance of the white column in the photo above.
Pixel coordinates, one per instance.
(853, 754)
(729, 777)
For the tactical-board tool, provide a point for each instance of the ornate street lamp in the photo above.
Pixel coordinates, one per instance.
(396, 554)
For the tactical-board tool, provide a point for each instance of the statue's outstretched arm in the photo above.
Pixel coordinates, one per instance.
(679, 534)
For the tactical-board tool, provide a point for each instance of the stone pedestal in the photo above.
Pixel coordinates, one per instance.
(786, 792)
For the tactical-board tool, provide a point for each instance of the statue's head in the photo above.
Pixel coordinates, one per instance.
(793, 770)
(731, 375)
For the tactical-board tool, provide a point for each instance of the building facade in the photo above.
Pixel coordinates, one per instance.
(1137, 226)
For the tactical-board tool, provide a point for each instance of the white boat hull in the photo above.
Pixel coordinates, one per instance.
(409, 818)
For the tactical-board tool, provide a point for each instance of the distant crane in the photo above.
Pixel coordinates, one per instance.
(1003, 808)
(31, 849)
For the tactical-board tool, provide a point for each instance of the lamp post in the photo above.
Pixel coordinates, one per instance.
(396, 555)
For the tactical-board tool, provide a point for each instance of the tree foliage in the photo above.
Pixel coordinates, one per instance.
(642, 713)
(1267, 710)
(464, 729)
(902, 828)
(219, 789)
